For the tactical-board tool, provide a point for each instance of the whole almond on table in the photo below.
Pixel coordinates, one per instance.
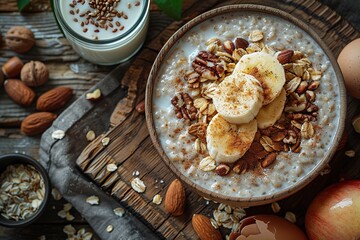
(175, 198)
(19, 92)
(12, 67)
(20, 39)
(37, 123)
(34, 74)
(204, 228)
(54, 99)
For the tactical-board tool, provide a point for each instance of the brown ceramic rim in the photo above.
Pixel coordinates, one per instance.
(240, 201)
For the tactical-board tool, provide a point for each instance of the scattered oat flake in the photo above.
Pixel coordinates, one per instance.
(111, 167)
(87, 236)
(67, 207)
(93, 200)
(119, 211)
(275, 207)
(105, 141)
(62, 214)
(138, 185)
(69, 229)
(90, 135)
(350, 153)
(109, 228)
(58, 135)
(94, 95)
(136, 173)
(69, 216)
(290, 216)
(56, 194)
(157, 199)
(42, 237)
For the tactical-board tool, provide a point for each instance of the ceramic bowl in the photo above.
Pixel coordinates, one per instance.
(14, 158)
(193, 30)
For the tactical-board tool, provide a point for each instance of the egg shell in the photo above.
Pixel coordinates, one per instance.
(349, 62)
(267, 227)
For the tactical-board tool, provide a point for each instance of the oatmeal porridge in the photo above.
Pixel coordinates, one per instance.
(230, 119)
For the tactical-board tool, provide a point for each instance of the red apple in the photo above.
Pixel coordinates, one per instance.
(334, 214)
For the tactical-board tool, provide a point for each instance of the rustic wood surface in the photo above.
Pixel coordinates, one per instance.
(66, 68)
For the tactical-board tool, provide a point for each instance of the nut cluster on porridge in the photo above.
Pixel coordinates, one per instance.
(275, 117)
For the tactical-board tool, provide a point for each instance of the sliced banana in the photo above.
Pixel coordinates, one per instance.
(228, 142)
(269, 114)
(238, 98)
(265, 68)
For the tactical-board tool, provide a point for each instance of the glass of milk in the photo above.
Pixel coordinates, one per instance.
(104, 32)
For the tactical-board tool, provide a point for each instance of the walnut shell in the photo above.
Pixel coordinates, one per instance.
(34, 74)
(20, 39)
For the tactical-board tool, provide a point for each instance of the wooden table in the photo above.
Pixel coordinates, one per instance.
(67, 68)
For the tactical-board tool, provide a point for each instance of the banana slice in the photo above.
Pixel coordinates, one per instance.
(265, 68)
(269, 114)
(228, 142)
(238, 98)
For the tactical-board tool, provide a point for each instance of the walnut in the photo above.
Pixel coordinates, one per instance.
(184, 107)
(20, 39)
(34, 74)
(208, 66)
(198, 130)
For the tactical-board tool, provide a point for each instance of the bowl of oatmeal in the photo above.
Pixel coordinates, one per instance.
(245, 104)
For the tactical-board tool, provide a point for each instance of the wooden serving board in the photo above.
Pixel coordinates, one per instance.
(131, 149)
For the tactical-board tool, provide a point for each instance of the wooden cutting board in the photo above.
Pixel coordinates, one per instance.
(131, 149)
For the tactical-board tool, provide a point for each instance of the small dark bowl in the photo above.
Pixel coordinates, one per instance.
(13, 158)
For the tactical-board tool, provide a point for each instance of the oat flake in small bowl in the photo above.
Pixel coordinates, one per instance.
(24, 190)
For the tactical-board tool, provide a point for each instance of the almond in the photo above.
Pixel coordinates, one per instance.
(19, 92)
(285, 56)
(12, 67)
(229, 46)
(241, 43)
(54, 99)
(37, 123)
(204, 229)
(175, 198)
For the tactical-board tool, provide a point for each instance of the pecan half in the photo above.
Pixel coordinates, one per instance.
(208, 65)
(184, 107)
(198, 130)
